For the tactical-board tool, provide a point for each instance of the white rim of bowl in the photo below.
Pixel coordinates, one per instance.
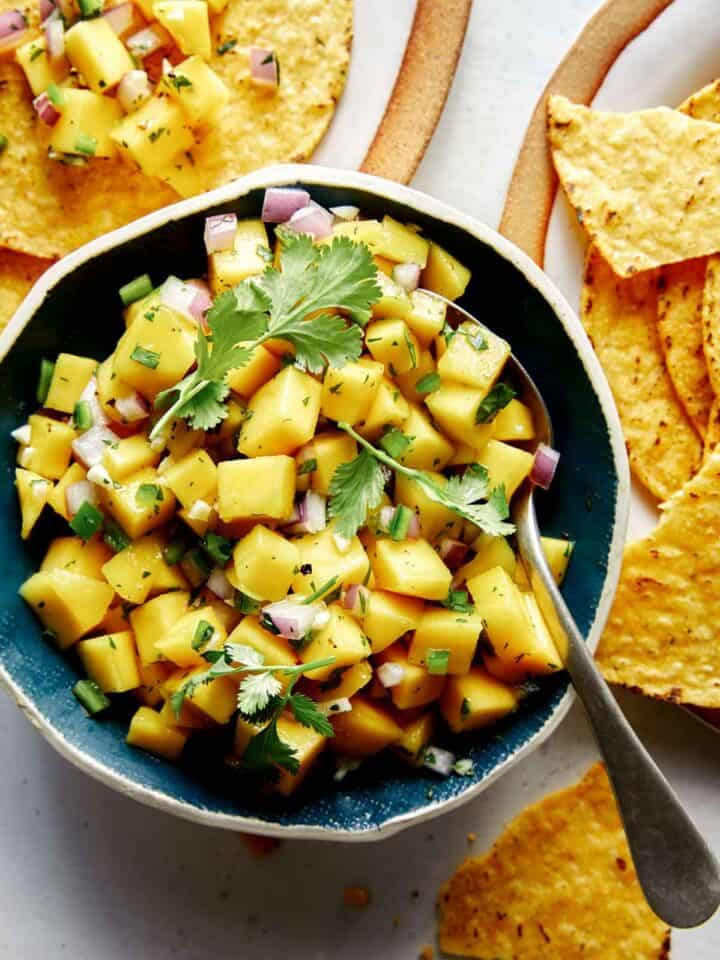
(277, 175)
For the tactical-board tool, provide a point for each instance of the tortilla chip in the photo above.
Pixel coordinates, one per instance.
(712, 436)
(18, 273)
(644, 184)
(711, 321)
(661, 635)
(680, 298)
(558, 883)
(48, 209)
(705, 104)
(620, 318)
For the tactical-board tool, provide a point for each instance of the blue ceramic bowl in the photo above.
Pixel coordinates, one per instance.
(74, 307)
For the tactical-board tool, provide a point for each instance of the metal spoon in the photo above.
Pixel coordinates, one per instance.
(678, 872)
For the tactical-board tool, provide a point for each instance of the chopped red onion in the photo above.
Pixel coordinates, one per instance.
(544, 466)
(313, 220)
(22, 434)
(280, 203)
(345, 212)
(79, 493)
(132, 407)
(90, 446)
(133, 90)
(220, 232)
(220, 585)
(264, 68)
(407, 276)
(55, 39)
(390, 674)
(202, 301)
(313, 514)
(13, 27)
(453, 552)
(147, 41)
(178, 296)
(356, 599)
(90, 397)
(292, 619)
(439, 760)
(331, 707)
(120, 18)
(45, 109)
(47, 9)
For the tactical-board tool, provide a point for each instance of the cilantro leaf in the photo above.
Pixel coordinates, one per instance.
(498, 398)
(472, 486)
(255, 692)
(356, 487)
(267, 750)
(306, 712)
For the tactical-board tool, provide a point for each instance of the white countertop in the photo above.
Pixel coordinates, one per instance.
(87, 874)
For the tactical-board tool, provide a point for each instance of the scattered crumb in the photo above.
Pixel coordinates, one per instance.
(471, 837)
(427, 953)
(357, 897)
(397, 920)
(259, 846)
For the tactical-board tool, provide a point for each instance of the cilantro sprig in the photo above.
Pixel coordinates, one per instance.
(290, 303)
(261, 700)
(357, 487)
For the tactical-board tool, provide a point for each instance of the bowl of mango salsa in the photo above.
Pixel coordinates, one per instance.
(259, 566)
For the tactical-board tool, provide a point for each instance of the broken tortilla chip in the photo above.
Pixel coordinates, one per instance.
(712, 435)
(559, 882)
(705, 104)
(679, 317)
(661, 635)
(620, 317)
(711, 321)
(644, 184)
(48, 208)
(18, 273)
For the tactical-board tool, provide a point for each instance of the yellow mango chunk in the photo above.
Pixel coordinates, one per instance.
(217, 699)
(364, 730)
(476, 700)
(140, 569)
(187, 23)
(227, 268)
(153, 355)
(391, 343)
(33, 492)
(351, 680)
(74, 474)
(189, 637)
(429, 449)
(181, 439)
(349, 391)
(244, 733)
(263, 365)
(417, 734)
(111, 661)
(557, 552)
(193, 478)
(453, 407)
(50, 447)
(153, 620)
(274, 649)
(149, 731)
(446, 630)
(407, 382)
(95, 50)
(393, 301)
(39, 70)
(444, 274)
(264, 564)
(388, 616)
(130, 455)
(263, 487)
(282, 415)
(197, 89)
(140, 504)
(77, 556)
(505, 465)
(70, 377)
(411, 567)
(491, 552)
(417, 687)
(308, 745)
(514, 422)
(329, 450)
(474, 356)
(426, 316)
(67, 604)
(154, 134)
(434, 518)
(341, 638)
(111, 389)
(86, 123)
(388, 409)
(152, 676)
(326, 561)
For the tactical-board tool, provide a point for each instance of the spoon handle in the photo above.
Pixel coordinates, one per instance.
(676, 869)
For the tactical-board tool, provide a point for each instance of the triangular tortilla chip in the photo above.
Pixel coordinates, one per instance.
(712, 435)
(643, 184)
(559, 884)
(620, 317)
(711, 321)
(48, 209)
(18, 273)
(661, 636)
(705, 104)
(680, 299)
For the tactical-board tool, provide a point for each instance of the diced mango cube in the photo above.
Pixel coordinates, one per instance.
(407, 382)
(475, 356)
(453, 407)
(434, 518)
(364, 730)
(341, 638)
(388, 409)
(391, 342)
(514, 422)
(227, 268)
(95, 50)
(149, 731)
(444, 274)
(429, 449)
(557, 552)
(74, 474)
(261, 487)
(446, 630)
(197, 89)
(77, 556)
(70, 377)
(388, 616)
(426, 317)
(506, 465)
(282, 415)
(476, 700)
(348, 683)
(320, 553)
(263, 365)
(329, 450)
(39, 70)
(155, 134)
(67, 604)
(393, 302)
(348, 391)
(154, 354)
(33, 492)
(140, 504)
(417, 734)
(111, 661)
(217, 699)
(274, 649)
(50, 447)
(189, 637)
(264, 564)
(130, 455)
(411, 567)
(153, 620)
(307, 745)
(193, 478)
(417, 687)
(187, 23)
(491, 552)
